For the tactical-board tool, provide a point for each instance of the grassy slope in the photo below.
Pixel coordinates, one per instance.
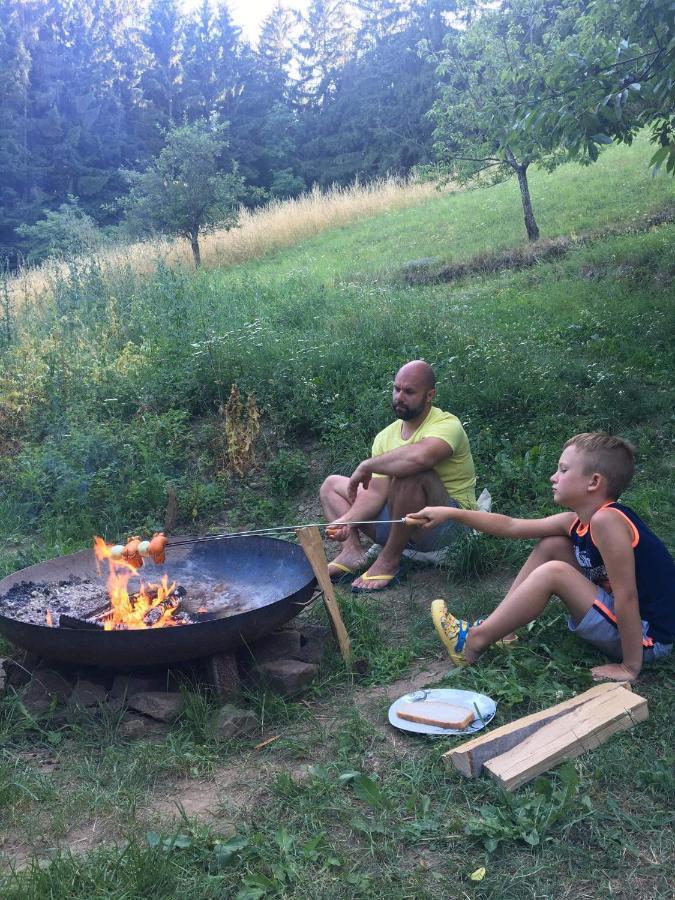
(458, 225)
(526, 358)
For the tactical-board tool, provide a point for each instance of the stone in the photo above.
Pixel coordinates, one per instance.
(222, 674)
(284, 644)
(413, 265)
(313, 640)
(232, 722)
(287, 676)
(87, 694)
(133, 727)
(46, 688)
(158, 705)
(18, 672)
(127, 684)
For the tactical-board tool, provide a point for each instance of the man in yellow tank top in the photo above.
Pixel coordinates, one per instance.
(425, 453)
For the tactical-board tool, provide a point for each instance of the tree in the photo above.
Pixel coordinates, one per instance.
(182, 192)
(611, 74)
(160, 81)
(485, 72)
(14, 83)
(67, 230)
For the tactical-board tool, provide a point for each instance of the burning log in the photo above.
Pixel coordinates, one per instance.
(169, 605)
(66, 621)
(163, 606)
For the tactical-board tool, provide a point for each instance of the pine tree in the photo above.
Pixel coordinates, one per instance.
(201, 64)
(160, 82)
(14, 84)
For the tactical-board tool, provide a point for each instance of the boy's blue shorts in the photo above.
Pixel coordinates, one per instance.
(598, 629)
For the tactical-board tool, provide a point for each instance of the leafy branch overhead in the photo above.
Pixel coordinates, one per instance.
(613, 73)
(539, 82)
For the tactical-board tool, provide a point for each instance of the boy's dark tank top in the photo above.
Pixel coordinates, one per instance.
(654, 571)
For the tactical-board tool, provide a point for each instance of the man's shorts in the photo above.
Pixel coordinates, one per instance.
(598, 627)
(436, 539)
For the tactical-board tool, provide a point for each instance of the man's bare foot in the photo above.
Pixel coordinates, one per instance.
(377, 578)
(346, 563)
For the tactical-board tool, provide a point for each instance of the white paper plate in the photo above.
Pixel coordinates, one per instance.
(485, 705)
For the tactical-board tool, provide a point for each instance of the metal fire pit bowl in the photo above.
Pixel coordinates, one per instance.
(251, 585)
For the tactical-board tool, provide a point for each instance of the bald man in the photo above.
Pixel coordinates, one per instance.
(421, 459)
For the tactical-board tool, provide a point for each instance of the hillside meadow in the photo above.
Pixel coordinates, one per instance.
(111, 383)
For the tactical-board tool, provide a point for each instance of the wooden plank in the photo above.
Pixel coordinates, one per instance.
(583, 728)
(469, 758)
(310, 539)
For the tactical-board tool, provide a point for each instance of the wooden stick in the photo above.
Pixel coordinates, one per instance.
(581, 729)
(310, 539)
(268, 741)
(469, 758)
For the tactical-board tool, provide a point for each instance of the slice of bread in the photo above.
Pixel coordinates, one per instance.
(436, 712)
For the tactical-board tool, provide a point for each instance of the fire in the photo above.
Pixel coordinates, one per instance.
(131, 612)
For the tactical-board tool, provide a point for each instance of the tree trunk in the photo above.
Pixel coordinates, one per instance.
(530, 224)
(194, 243)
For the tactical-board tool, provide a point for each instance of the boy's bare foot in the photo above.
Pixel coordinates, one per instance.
(613, 672)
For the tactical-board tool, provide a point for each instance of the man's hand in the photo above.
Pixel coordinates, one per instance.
(430, 516)
(614, 672)
(360, 476)
(337, 532)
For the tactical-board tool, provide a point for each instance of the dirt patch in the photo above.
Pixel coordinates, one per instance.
(226, 798)
(431, 271)
(16, 853)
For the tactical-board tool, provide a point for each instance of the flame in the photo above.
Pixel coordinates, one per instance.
(50, 621)
(129, 612)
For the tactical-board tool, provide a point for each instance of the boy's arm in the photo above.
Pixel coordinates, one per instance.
(494, 523)
(613, 537)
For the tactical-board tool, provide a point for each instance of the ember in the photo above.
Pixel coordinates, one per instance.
(154, 606)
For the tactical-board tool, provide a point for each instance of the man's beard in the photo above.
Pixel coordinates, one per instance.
(408, 414)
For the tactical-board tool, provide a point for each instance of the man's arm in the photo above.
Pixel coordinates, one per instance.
(613, 536)
(495, 523)
(400, 463)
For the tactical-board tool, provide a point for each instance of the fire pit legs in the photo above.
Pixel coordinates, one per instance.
(222, 674)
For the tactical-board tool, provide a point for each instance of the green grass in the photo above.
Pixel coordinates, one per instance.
(458, 225)
(362, 816)
(110, 391)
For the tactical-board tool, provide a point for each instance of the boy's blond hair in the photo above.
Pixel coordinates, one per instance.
(609, 455)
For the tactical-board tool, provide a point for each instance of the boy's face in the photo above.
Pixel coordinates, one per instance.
(572, 479)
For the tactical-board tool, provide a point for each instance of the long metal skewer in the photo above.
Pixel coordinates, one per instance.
(278, 528)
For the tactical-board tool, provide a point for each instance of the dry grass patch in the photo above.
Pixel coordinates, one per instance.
(275, 226)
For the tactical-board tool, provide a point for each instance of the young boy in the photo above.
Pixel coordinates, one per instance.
(613, 574)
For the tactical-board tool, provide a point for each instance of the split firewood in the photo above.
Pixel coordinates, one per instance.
(582, 728)
(469, 758)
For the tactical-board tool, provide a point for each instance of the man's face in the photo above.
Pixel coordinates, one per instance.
(411, 397)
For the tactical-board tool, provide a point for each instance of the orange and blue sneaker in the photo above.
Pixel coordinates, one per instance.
(453, 632)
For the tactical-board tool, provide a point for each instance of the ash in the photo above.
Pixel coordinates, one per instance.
(29, 602)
